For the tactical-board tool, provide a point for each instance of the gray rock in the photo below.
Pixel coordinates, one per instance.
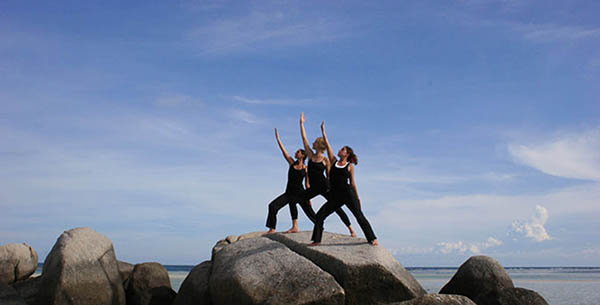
(28, 289)
(479, 275)
(194, 289)
(125, 270)
(9, 296)
(219, 246)
(81, 269)
(438, 299)
(262, 271)
(369, 274)
(17, 262)
(232, 239)
(512, 296)
(143, 284)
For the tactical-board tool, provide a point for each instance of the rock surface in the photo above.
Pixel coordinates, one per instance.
(81, 269)
(9, 296)
(438, 299)
(125, 270)
(148, 283)
(479, 275)
(369, 274)
(17, 262)
(28, 289)
(262, 271)
(194, 289)
(512, 296)
(232, 239)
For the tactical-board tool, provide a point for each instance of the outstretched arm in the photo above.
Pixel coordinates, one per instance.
(330, 154)
(307, 148)
(352, 183)
(283, 151)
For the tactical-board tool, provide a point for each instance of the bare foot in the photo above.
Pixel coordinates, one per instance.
(374, 242)
(292, 230)
(352, 233)
(271, 231)
(314, 244)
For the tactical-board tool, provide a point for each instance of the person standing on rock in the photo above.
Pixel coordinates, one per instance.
(318, 164)
(296, 174)
(342, 192)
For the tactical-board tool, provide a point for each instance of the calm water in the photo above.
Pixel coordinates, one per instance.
(559, 286)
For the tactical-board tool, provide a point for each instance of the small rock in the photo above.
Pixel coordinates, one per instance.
(438, 299)
(479, 275)
(17, 262)
(143, 281)
(512, 296)
(194, 289)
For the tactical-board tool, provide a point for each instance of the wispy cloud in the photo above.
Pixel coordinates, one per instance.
(261, 30)
(534, 229)
(175, 100)
(573, 155)
(464, 247)
(244, 116)
(289, 102)
(553, 32)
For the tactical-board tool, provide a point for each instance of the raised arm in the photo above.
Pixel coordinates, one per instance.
(307, 148)
(283, 151)
(332, 158)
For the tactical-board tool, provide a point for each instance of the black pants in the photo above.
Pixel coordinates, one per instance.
(312, 192)
(338, 199)
(284, 199)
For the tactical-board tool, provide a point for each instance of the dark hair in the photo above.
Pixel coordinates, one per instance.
(352, 158)
(303, 156)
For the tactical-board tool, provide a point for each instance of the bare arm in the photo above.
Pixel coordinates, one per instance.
(352, 183)
(286, 156)
(306, 182)
(307, 148)
(330, 154)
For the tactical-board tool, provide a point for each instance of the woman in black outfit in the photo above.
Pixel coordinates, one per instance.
(317, 166)
(296, 174)
(342, 192)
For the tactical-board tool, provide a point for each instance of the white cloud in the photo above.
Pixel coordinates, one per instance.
(255, 101)
(552, 32)
(534, 229)
(260, 30)
(244, 116)
(464, 247)
(570, 155)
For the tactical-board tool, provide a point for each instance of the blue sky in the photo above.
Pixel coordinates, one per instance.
(476, 123)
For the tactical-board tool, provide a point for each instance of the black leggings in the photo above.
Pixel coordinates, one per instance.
(349, 198)
(284, 199)
(312, 192)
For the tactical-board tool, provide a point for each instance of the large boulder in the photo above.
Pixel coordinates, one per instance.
(194, 289)
(17, 262)
(232, 239)
(9, 296)
(438, 299)
(262, 271)
(125, 270)
(369, 274)
(81, 269)
(479, 275)
(28, 289)
(149, 284)
(512, 296)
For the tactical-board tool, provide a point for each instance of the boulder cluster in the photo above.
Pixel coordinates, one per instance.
(82, 269)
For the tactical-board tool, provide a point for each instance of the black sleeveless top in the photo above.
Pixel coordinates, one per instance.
(339, 177)
(294, 183)
(316, 175)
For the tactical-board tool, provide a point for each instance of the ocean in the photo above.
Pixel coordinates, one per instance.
(558, 285)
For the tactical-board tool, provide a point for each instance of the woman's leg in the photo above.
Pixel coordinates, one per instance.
(274, 206)
(352, 204)
(343, 216)
(326, 210)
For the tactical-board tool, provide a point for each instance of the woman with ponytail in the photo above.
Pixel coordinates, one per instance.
(296, 173)
(343, 191)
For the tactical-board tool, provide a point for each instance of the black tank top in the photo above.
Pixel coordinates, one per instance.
(316, 175)
(339, 177)
(294, 183)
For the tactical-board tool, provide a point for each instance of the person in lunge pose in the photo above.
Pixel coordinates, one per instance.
(296, 174)
(342, 192)
(318, 164)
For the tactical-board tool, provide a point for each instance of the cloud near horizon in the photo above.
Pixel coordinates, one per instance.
(534, 229)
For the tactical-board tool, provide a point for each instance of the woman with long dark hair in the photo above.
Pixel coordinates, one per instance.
(296, 174)
(318, 164)
(343, 191)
